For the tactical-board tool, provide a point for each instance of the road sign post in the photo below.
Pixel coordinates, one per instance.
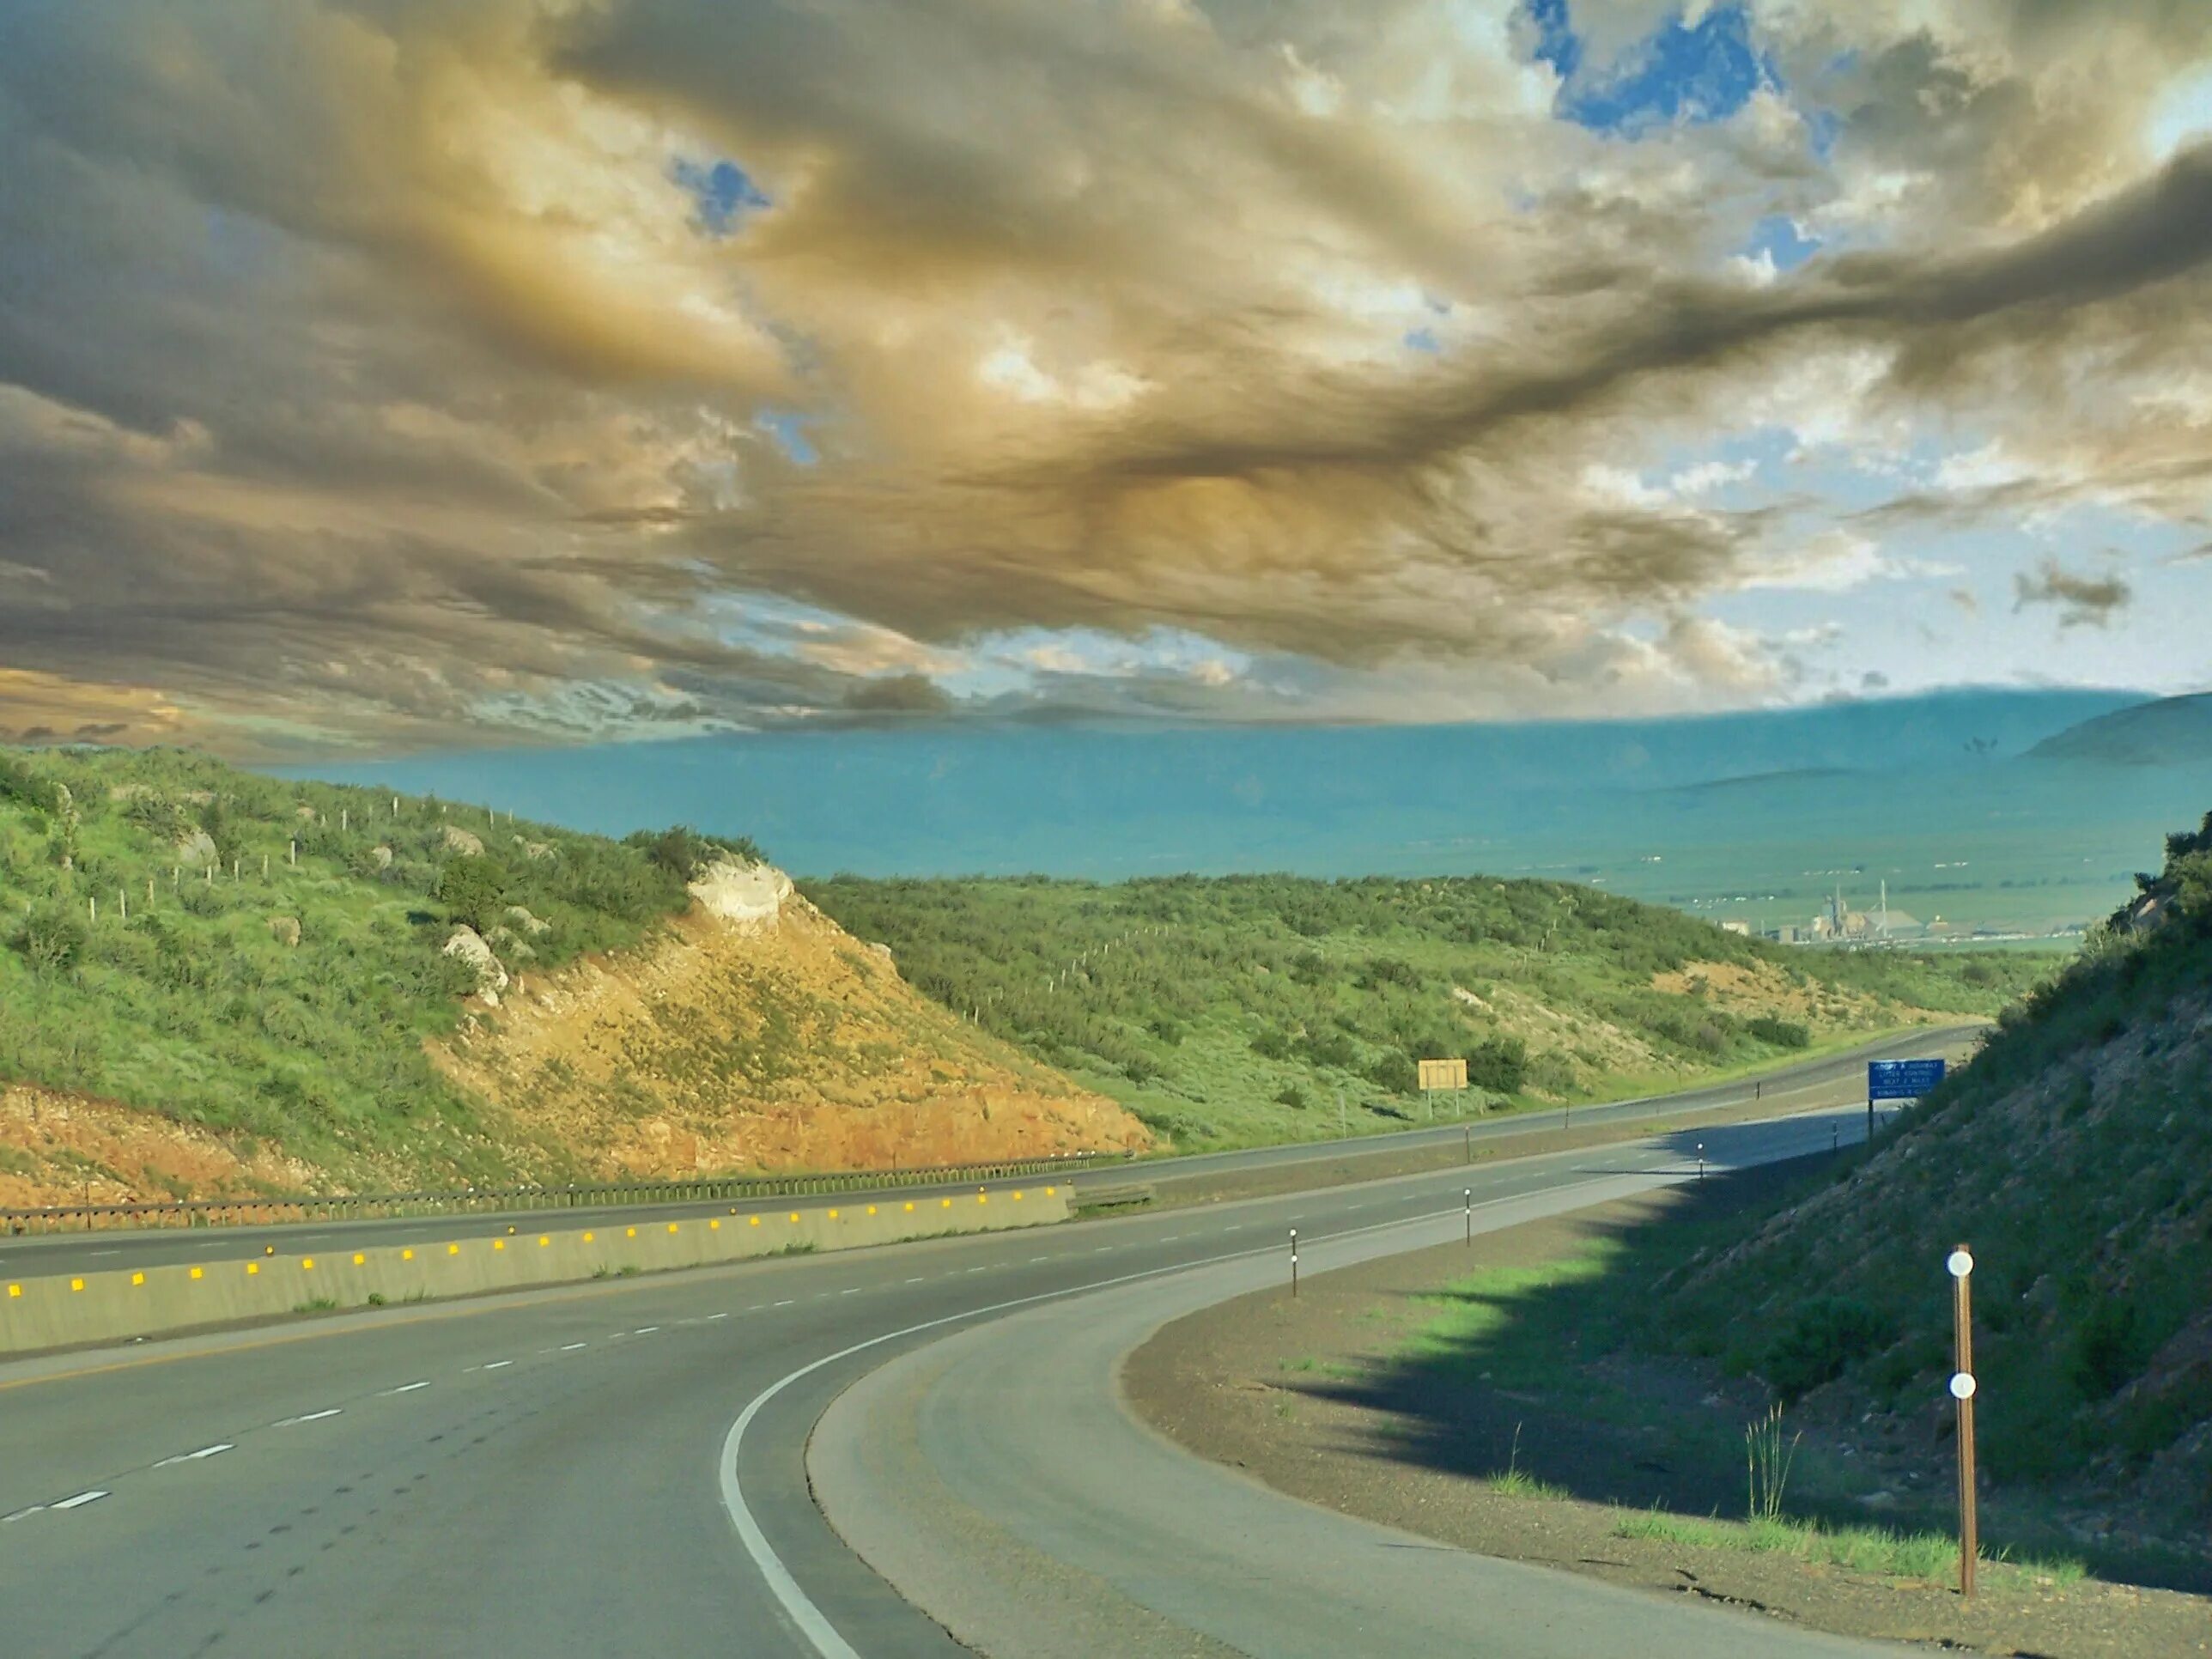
(1294, 1261)
(1435, 1074)
(1960, 1265)
(1470, 1215)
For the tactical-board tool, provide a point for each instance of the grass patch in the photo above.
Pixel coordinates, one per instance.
(1878, 1550)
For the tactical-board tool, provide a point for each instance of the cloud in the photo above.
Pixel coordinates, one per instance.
(401, 373)
(2080, 599)
(898, 694)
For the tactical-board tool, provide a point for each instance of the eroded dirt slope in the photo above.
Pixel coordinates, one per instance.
(755, 1033)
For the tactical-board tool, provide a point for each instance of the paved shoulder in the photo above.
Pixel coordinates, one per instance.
(995, 1479)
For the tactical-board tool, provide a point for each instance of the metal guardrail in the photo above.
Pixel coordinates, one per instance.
(268, 1210)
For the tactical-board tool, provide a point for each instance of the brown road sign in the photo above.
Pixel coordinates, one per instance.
(1444, 1075)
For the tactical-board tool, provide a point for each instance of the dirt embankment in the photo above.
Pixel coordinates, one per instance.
(59, 1149)
(756, 1033)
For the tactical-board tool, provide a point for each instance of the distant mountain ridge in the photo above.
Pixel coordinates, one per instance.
(2169, 732)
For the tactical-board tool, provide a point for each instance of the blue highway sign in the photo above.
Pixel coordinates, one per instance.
(1902, 1079)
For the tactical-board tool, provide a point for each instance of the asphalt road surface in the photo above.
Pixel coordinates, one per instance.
(620, 1467)
(34, 1255)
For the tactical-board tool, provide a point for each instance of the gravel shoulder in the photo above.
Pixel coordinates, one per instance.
(1286, 1391)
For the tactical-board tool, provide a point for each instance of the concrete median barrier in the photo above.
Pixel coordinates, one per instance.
(66, 1310)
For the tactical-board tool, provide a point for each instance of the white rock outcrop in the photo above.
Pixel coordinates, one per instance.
(461, 840)
(469, 945)
(750, 894)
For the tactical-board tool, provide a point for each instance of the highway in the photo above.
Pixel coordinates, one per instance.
(32, 1256)
(620, 1467)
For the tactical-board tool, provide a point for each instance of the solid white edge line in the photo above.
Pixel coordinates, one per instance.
(798, 1606)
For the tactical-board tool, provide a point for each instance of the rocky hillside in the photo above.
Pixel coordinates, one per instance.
(2075, 1157)
(213, 981)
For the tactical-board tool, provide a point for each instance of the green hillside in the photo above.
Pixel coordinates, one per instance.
(1237, 1010)
(149, 906)
(2075, 1156)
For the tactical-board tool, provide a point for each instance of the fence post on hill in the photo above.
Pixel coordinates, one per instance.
(1960, 1265)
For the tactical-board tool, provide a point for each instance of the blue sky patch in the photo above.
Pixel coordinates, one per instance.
(788, 433)
(1705, 71)
(1778, 237)
(723, 191)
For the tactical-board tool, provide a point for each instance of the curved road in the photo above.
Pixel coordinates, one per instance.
(558, 1472)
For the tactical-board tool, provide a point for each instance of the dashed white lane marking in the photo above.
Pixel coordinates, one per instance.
(1238, 1228)
(645, 1330)
(1172, 1238)
(786, 1302)
(194, 1457)
(711, 1318)
(499, 1365)
(976, 1270)
(1039, 1258)
(311, 1417)
(916, 1280)
(856, 1291)
(408, 1388)
(82, 1498)
(1103, 1249)
(34, 1509)
(571, 1347)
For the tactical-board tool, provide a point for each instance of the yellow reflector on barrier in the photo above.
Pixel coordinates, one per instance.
(77, 1284)
(252, 1268)
(794, 1215)
(499, 1244)
(833, 1215)
(544, 1239)
(1017, 1198)
(713, 1226)
(588, 1237)
(948, 1203)
(1049, 1191)
(756, 1221)
(195, 1273)
(671, 1226)
(359, 1259)
(453, 1249)
(407, 1256)
(14, 1289)
(306, 1264)
(909, 1209)
(872, 1209)
(633, 1232)
(137, 1279)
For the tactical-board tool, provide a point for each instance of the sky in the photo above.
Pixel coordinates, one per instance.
(390, 375)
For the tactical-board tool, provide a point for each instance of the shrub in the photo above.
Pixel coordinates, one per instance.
(1780, 1034)
(1828, 1334)
(1499, 1064)
(1272, 1044)
(52, 939)
(474, 891)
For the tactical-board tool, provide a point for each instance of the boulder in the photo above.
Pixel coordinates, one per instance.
(750, 894)
(461, 840)
(382, 855)
(469, 945)
(521, 916)
(285, 930)
(196, 851)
